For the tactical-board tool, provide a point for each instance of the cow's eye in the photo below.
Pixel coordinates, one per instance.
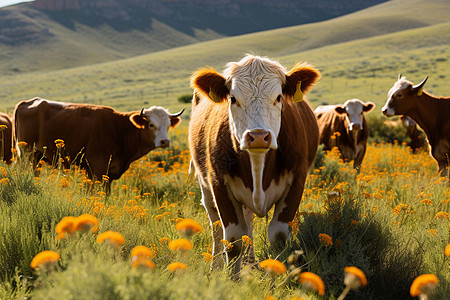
(279, 98)
(151, 125)
(233, 100)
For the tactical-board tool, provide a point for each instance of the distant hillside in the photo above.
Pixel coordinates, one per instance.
(359, 55)
(57, 34)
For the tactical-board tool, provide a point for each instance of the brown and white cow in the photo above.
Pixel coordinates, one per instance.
(5, 137)
(429, 112)
(100, 139)
(252, 139)
(344, 126)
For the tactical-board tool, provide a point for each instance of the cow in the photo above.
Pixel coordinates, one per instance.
(98, 138)
(344, 126)
(416, 140)
(252, 140)
(6, 138)
(429, 112)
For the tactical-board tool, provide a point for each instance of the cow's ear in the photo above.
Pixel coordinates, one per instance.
(368, 106)
(174, 121)
(210, 84)
(340, 109)
(138, 120)
(299, 80)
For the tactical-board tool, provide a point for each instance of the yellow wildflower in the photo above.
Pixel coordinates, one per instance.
(312, 282)
(44, 259)
(447, 250)
(143, 262)
(426, 201)
(247, 241)
(207, 256)
(4, 181)
(188, 227)
(227, 244)
(141, 251)
(180, 244)
(114, 238)
(270, 297)
(3, 127)
(177, 266)
(424, 285)
(3, 172)
(22, 144)
(273, 266)
(441, 215)
(354, 277)
(164, 240)
(86, 222)
(66, 225)
(325, 239)
(63, 182)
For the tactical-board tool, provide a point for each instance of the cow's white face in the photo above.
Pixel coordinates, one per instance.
(155, 123)
(255, 111)
(159, 123)
(395, 94)
(354, 110)
(255, 102)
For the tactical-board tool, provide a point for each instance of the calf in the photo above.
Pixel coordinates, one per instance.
(344, 126)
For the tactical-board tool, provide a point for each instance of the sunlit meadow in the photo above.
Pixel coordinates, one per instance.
(390, 221)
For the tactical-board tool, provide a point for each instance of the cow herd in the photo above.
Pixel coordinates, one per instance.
(252, 139)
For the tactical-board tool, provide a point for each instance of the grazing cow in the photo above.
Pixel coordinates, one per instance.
(252, 139)
(416, 140)
(100, 139)
(429, 112)
(344, 126)
(5, 137)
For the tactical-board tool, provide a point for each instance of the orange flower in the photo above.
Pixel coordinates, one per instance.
(180, 244)
(176, 267)
(247, 241)
(143, 262)
(423, 284)
(114, 238)
(325, 239)
(207, 256)
(312, 282)
(44, 259)
(441, 215)
(164, 240)
(447, 250)
(273, 266)
(188, 227)
(354, 277)
(141, 251)
(66, 225)
(86, 222)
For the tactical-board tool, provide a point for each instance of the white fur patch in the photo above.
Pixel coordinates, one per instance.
(399, 85)
(159, 118)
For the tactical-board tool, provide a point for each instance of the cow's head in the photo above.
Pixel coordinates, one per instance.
(155, 123)
(354, 110)
(255, 89)
(399, 96)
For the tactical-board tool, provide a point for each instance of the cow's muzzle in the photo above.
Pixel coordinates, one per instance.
(164, 143)
(257, 140)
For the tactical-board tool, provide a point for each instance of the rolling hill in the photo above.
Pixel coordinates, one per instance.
(58, 34)
(359, 55)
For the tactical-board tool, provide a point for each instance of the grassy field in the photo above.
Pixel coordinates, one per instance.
(391, 221)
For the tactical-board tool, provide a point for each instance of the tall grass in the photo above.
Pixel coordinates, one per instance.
(390, 221)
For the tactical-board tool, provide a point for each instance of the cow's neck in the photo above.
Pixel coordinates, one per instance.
(257, 161)
(426, 115)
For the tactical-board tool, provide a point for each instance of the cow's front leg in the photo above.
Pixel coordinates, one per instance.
(216, 227)
(249, 255)
(278, 231)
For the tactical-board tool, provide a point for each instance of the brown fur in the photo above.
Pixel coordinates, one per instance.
(215, 152)
(100, 139)
(331, 122)
(432, 115)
